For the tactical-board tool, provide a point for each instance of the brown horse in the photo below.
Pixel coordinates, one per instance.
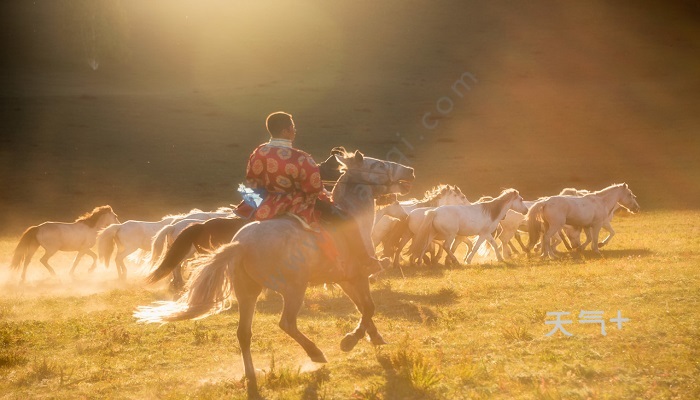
(79, 236)
(281, 255)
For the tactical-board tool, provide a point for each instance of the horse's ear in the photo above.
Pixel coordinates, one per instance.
(339, 151)
(359, 157)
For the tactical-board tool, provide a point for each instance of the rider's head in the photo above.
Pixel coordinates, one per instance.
(281, 125)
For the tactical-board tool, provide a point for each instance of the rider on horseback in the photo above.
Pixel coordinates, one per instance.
(289, 183)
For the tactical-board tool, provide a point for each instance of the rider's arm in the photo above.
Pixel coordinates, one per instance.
(312, 184)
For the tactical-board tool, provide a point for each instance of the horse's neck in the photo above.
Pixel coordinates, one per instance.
(357, 200)
(610, 197)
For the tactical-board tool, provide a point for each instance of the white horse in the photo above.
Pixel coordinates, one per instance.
(386, 221)
(590, 212)
(510, 224)
(77, 236)
(415, 219)
(128, 237)
(573, 233)
(448, 222)
(169, 232)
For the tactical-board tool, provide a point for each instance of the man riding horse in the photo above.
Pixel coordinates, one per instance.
(289, 182)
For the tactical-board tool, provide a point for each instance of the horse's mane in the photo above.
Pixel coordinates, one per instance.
(573, 192)
(224, 210)
(90, 218)
(434, 194)
(613, 186)
(495, 206)
(182, 215)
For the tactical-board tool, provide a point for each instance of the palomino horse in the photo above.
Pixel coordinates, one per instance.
(206, 236)
(281, 255)
(482, 218)
(127, 237)
(590, 212)
(77, 236)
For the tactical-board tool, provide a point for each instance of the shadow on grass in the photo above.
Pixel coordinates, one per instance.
(409, 306)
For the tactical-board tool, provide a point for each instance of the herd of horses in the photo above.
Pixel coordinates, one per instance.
(240, 258)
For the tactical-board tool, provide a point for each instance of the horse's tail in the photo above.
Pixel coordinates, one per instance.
(26, 247)
(534, 224)
(424, 235)
(159, 243)
(207, 291)
(176, 252)
(105, 243)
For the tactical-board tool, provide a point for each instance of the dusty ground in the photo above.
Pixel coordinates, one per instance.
(558, 95)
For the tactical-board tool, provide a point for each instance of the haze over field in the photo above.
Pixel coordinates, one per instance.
(153, 107)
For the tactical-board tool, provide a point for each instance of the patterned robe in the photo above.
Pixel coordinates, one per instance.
(291, 178)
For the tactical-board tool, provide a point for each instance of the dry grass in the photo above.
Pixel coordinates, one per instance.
(466, 332)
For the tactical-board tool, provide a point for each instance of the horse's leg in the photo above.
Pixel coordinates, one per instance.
(76, 261)
(121, 267)
(492, 242)
(30, 253)
(470, 247)
(519, 238)
(595, 233)
(611, 233)
(478, 243)
(547, 241)
(94, 259)
(293, 295)
(247, 292)
(358, 291)
(45, 260)
(587, 232)
(397, 254)
(447, 245)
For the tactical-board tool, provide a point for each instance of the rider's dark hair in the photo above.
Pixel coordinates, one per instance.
(277, 122)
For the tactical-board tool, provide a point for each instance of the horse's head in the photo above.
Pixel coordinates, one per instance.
(517, 203)
(452, 195)
(382, 176)
(628, 200)
(395, 210)
(107, 218)
(330, 169)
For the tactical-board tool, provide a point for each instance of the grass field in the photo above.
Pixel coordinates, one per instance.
(557, 94)
(473, 331)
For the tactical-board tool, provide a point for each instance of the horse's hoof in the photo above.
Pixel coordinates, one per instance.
(377, 340)
(318, 358)
(348, 343)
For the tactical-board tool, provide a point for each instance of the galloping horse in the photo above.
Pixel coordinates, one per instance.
(482, 218)
(281, 255)
(127, 237)
(63, 236)
(590, 211)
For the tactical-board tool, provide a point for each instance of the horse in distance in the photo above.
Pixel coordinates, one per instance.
(79, 236)
(590, 211)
